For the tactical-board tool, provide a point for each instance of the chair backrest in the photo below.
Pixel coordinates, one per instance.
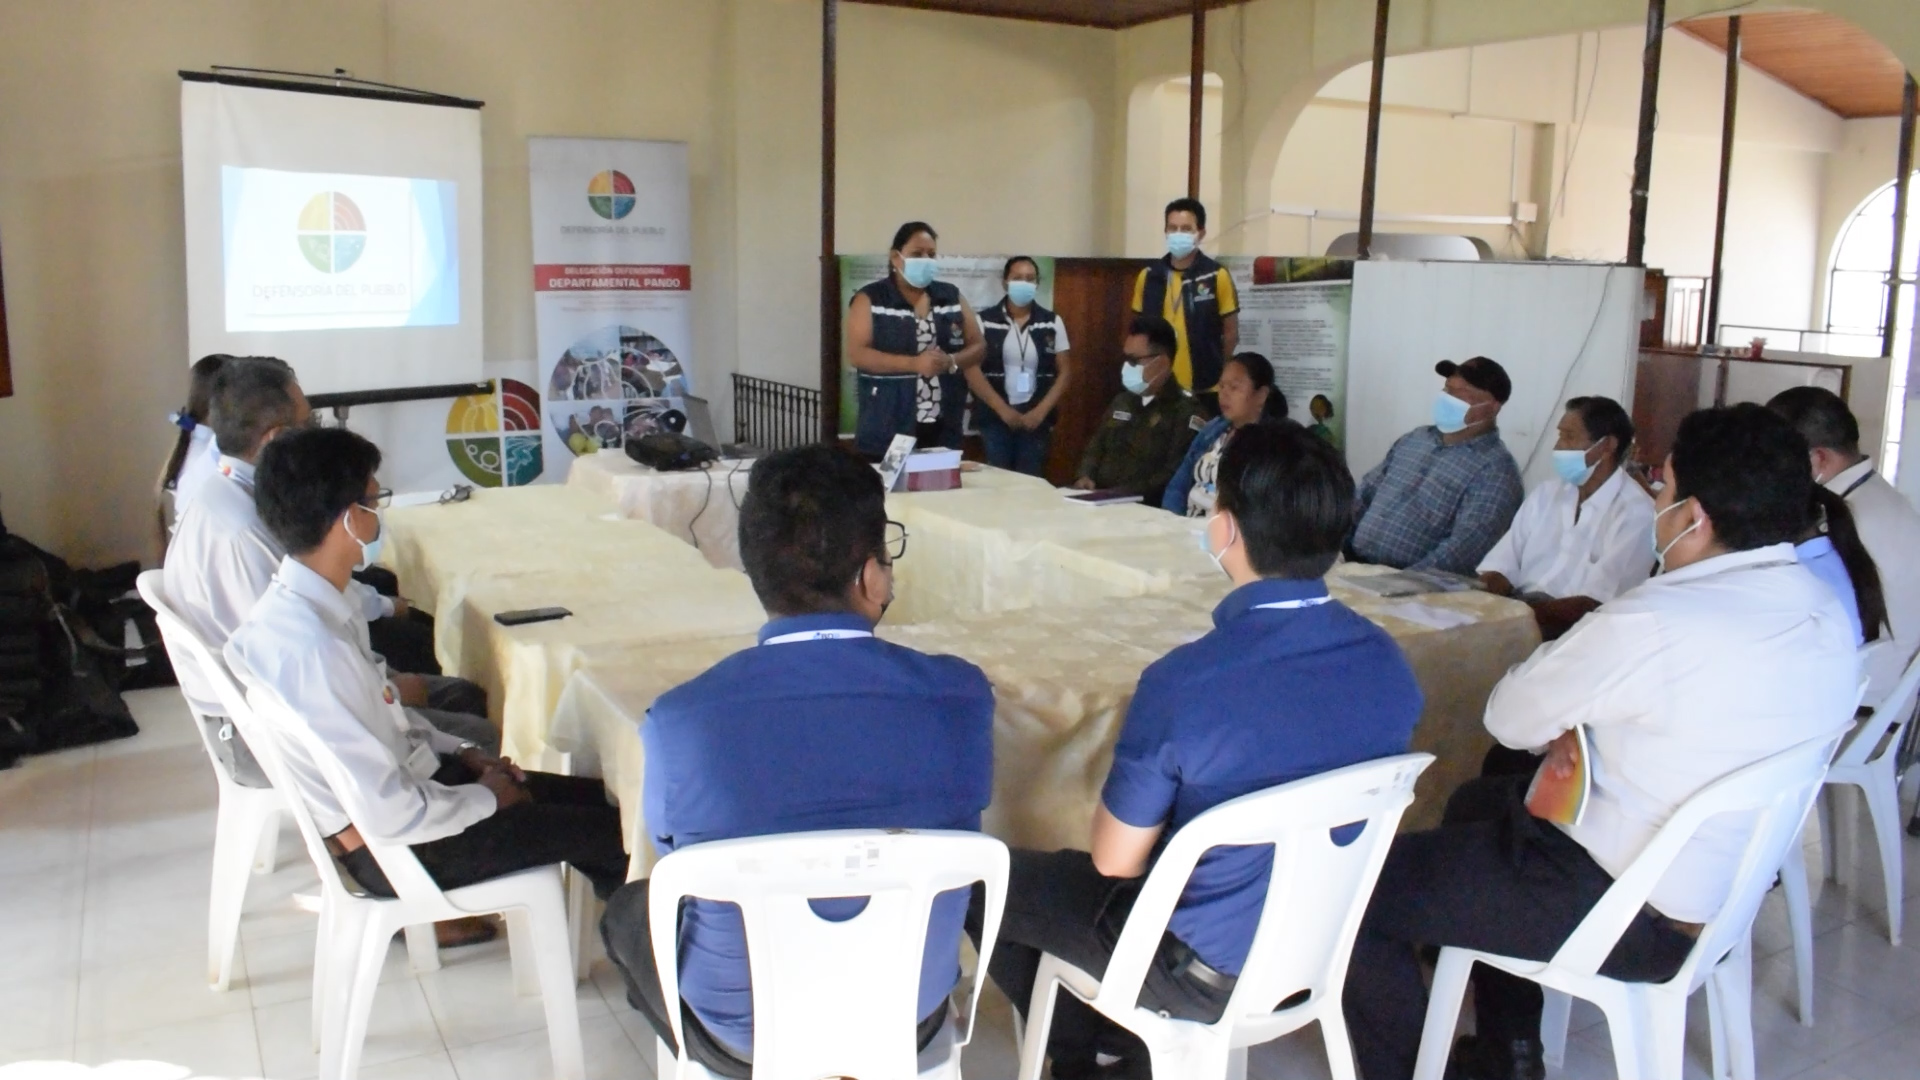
(1873, 737)
(184, 645)
(1778, 791)
(1315, 897)
(831, 998)
(152, 587)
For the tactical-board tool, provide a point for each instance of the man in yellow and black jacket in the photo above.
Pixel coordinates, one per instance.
(1196, 295)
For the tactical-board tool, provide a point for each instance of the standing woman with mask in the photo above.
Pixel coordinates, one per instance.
(909, 337)
(1023, 373)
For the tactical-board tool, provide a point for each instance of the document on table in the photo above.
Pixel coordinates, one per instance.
(1427, 615)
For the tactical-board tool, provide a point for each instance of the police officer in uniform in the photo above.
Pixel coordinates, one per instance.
(1023, 374)
(1145, 435)
(909, 337)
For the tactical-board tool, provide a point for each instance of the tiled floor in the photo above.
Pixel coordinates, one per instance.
(103, 886)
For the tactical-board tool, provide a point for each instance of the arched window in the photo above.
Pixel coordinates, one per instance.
(1857, 290)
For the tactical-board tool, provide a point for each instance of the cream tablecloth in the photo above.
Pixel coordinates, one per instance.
(701, 507)
(1063, 678)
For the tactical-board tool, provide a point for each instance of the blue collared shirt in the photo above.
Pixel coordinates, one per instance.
(832, 733)
(1269, 696)
(1820, 556)
(1434, 506)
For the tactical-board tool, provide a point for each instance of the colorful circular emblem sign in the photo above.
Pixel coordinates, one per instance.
(496, 443)
(333, 232)
(610, 194)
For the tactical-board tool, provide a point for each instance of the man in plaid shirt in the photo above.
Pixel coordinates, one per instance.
(1447, 492)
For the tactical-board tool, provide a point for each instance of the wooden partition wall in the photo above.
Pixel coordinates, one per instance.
(1094, 297)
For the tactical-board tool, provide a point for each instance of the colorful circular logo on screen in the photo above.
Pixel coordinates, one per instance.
(610, 194)
(333, 232)
(495, 441)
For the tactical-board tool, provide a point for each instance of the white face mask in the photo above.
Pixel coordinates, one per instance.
(369, 549)
(1660, 553)
(1206, 543)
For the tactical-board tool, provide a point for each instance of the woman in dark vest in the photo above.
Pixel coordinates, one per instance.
(1022, 375)
(909, 337)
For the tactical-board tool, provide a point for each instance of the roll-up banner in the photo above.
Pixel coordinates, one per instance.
(613, 291)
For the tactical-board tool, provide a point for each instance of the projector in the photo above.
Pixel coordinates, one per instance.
(670, 452)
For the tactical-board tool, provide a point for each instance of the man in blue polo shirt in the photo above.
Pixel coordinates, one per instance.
(822, 726)
(1288, 684)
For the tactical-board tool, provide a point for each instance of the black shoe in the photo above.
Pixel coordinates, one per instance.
(1475, 1058)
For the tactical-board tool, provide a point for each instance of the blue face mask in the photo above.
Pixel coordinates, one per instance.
(1134, 378)
(1181, 244)
(1021, 293)
(369, 549)
(1572, 465)
(919, 272)
(1449, 413)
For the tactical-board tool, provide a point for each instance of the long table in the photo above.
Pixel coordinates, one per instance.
(1062, 606)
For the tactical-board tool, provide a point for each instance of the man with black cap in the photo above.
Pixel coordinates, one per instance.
(1447, 492)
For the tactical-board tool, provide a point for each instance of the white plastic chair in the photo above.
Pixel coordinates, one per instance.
(354, 930)
(1647, 1021)
(831, 998)
(246, 835)
(1315, 898)
(1867, 761)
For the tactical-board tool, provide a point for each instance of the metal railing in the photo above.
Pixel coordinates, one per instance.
(769, 415)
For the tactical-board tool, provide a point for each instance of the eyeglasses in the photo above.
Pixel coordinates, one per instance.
(896, 541)
(379, 500)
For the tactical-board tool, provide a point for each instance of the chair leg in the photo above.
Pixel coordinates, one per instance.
(234, 841)
(1556, 1015)
(1443, 1013)
(520, 952)
(1649, 1035)
(266, 856)
(1883, 804)
(1033, 1048)
(322, 955)
(358, 981)
(583, 922)
(1793, 885)
(423, 948)
(1730, 1014)
(549, 942)
(1333, 1032)
(1237, 1063)
(666, 1064)
(1829, 835)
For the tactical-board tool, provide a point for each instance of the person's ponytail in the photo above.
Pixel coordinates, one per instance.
(1840, 529)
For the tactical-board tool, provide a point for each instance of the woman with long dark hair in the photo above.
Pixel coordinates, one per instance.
(909, 336)
(1831, 548)
(1247, 396)
(194, 453)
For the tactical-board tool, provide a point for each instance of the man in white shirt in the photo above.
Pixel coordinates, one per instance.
(467, 815)
(222, 557)
(1580, 539)
(1733, 653)
(1888, 524)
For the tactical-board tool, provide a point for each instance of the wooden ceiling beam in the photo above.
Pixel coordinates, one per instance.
(1824, 57)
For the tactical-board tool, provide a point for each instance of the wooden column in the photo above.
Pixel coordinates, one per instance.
(1649, 111)
(1370, 171)
(1196, 96)
(829, 261)
(1902, 181)
(1729, 106)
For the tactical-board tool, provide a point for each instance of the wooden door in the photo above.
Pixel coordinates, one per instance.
(1094, 297)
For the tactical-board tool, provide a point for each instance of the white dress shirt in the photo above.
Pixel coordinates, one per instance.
(1695, 674)
(1601, 555)
(305, 644)
(1020, 359)
(1890, 529)
(203, 457)
(220, 561)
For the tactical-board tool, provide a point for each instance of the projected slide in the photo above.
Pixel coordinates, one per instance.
(331, 251)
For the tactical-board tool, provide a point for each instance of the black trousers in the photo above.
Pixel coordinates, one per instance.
(1058, 903)
(568, 820)
(1494, 878)
(627, 930)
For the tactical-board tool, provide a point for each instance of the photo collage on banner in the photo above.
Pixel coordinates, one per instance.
(1295, 311)
(613, 299)
(977, 278)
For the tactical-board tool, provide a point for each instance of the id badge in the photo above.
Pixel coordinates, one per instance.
(423, 762)
(1022, 382)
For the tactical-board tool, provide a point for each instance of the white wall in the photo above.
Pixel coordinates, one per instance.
(1157, 150)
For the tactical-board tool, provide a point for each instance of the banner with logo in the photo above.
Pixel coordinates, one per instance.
(977, 278)
(1295, 312)
(613, 300)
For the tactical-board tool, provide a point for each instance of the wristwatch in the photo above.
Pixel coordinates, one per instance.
(464, 747)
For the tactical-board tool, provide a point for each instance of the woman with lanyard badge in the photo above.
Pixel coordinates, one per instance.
(909, 337)
(1247, 396)
(1022, 375)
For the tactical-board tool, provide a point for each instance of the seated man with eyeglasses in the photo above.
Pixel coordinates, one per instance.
(822, 726)
(467, 815)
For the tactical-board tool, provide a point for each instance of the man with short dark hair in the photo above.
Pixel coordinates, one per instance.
(1289, 683)
(467, 815)
(1144, 437)
(1579, 539)
(1446, 492)
(822, 726)
(1195, 295)
(1733, 653)
(1889, 526)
